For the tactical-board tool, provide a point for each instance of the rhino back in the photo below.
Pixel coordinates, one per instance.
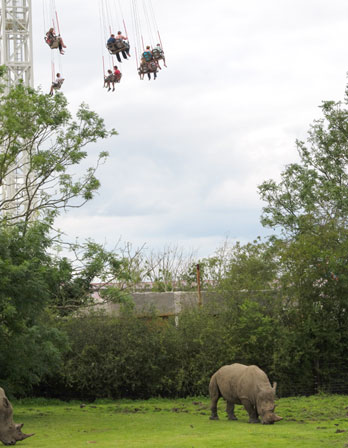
(237, 381)
(227, 378)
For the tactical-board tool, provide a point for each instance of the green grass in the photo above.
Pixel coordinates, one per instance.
(317, 422)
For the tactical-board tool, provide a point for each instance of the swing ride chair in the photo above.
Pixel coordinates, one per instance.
(157, 54)
(112, 78)
(148, 67)
(58, 85)
(117, 46)
(53, 44)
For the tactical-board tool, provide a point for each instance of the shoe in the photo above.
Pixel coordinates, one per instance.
(109, 89)
(113, 90)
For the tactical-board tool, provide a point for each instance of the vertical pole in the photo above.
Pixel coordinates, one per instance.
(199, 286)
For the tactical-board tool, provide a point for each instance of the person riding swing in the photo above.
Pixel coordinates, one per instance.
(56, 84)
(54, 41)
(117, 44)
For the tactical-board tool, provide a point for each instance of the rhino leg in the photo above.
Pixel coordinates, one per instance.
(251, 410)
(230, 411)
(215, 394)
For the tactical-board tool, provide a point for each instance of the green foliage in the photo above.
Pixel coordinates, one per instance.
(310, 206)
(128, 356)
(315, 190)
(29, 347)
(38, 132)
(116, 357)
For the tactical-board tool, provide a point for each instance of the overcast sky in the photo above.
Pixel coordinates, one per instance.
(244, 81)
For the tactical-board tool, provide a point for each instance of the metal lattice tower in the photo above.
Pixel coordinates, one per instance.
(17, 55)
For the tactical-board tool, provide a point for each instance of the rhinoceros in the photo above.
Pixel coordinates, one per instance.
(10, 432)
(246, 385)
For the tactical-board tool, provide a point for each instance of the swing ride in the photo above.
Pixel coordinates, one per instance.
(144, 26)
(16, 52)
(116, 44)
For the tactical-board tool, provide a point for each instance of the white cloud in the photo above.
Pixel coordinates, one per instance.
(244, 80)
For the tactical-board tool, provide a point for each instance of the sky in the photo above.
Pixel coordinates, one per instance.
(244, 81)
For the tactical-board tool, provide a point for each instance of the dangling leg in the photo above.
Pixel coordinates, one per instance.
(62, 43)
(118, 57)
(124, 54)
(148, 75)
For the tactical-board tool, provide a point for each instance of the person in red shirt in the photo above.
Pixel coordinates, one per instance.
(117, 74)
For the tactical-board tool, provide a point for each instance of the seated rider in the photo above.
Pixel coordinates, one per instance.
(152, 68)
(111, 39)
(159, 49)
(57, 83)
(125, 52)
(117, 74)
(120, 36)
(124, 48)
(147, 55)
(159, 54)
(51, 37)
(109, 79)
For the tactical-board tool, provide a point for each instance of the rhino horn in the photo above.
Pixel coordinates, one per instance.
(21, 435)
(276, 418)
(25, 436)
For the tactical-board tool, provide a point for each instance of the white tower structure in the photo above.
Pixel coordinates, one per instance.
(16, 54)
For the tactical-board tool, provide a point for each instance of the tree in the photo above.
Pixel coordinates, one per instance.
(30, 346)
(310, 207)
(39, 137)
(314, 191)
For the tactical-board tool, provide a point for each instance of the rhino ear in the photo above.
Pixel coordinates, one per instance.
(6, 402)
(19, 425)
(274, 386)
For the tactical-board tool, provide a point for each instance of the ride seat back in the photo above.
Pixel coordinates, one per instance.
(152, 66)
(143, 67)
(53, 44)
(117, 46)
(118, 77)
(58, 84)
(157, 54)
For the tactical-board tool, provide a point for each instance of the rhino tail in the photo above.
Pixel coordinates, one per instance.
(214, 390)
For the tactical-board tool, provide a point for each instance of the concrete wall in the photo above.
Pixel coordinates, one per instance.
(164, 303)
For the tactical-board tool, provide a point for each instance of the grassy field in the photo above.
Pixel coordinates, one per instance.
(317, 422)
